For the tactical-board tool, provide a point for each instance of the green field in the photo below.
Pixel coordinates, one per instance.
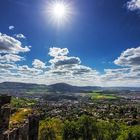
(101, 96)
(21, 102)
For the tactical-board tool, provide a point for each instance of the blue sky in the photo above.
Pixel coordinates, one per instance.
(98, 44)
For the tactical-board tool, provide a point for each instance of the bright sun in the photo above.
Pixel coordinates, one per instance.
(59, 12)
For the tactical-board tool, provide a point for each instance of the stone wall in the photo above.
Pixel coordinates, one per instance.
(26, 131)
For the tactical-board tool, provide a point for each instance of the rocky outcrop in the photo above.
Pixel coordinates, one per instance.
(19, 133)
(26, 131)
(5, 112)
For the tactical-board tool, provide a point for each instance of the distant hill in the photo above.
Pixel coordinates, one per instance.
(12, 87)
(63, 87)
(122, 88)
(15, 87)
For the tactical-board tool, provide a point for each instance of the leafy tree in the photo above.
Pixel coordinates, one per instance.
(131, 133)
(107, 130)
(71, 131)
(50, 129)
(87, 128)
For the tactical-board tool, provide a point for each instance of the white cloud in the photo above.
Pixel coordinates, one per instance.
(120, 77)
(11, 45)
(133, 5)
(69, 69)
(7, 66)
(11, 27)
(130, 57)
(38, 64)
(20, 36)
(60, 57)
(62, 64)
(25, 70)
(10, 58)
(55, 52)
(80, 69)
(64, 60)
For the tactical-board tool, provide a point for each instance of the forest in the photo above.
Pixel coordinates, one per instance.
(86, 128)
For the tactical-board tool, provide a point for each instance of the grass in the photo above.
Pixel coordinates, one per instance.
(101, 96)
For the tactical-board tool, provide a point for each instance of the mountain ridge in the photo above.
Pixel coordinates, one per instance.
(58, 87)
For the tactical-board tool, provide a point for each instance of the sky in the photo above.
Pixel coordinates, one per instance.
(95, 43)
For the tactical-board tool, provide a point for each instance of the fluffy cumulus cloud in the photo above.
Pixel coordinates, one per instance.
(60, 57)
(129, 74)
(27, 71)
(130, 57)
(64, 60)
(121, 77)
(56, 52)
(115, 74)
(80, 69)
(7, 66)
(38, 64)
(63, 67)
(20, 36)
(9, 44)
(69, 68)
(133, 5)
(11, 27)
(10, 58)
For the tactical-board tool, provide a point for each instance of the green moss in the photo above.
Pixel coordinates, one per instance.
(20, 116)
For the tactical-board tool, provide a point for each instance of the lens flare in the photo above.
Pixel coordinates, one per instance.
(59, 12)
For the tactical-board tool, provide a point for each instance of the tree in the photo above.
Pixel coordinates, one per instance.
(71, 131)
(87, 128)
(50, 129)
(107, 130)
(132, 133)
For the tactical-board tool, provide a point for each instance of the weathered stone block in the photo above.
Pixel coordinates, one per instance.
(23, 132)
(33, 127)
